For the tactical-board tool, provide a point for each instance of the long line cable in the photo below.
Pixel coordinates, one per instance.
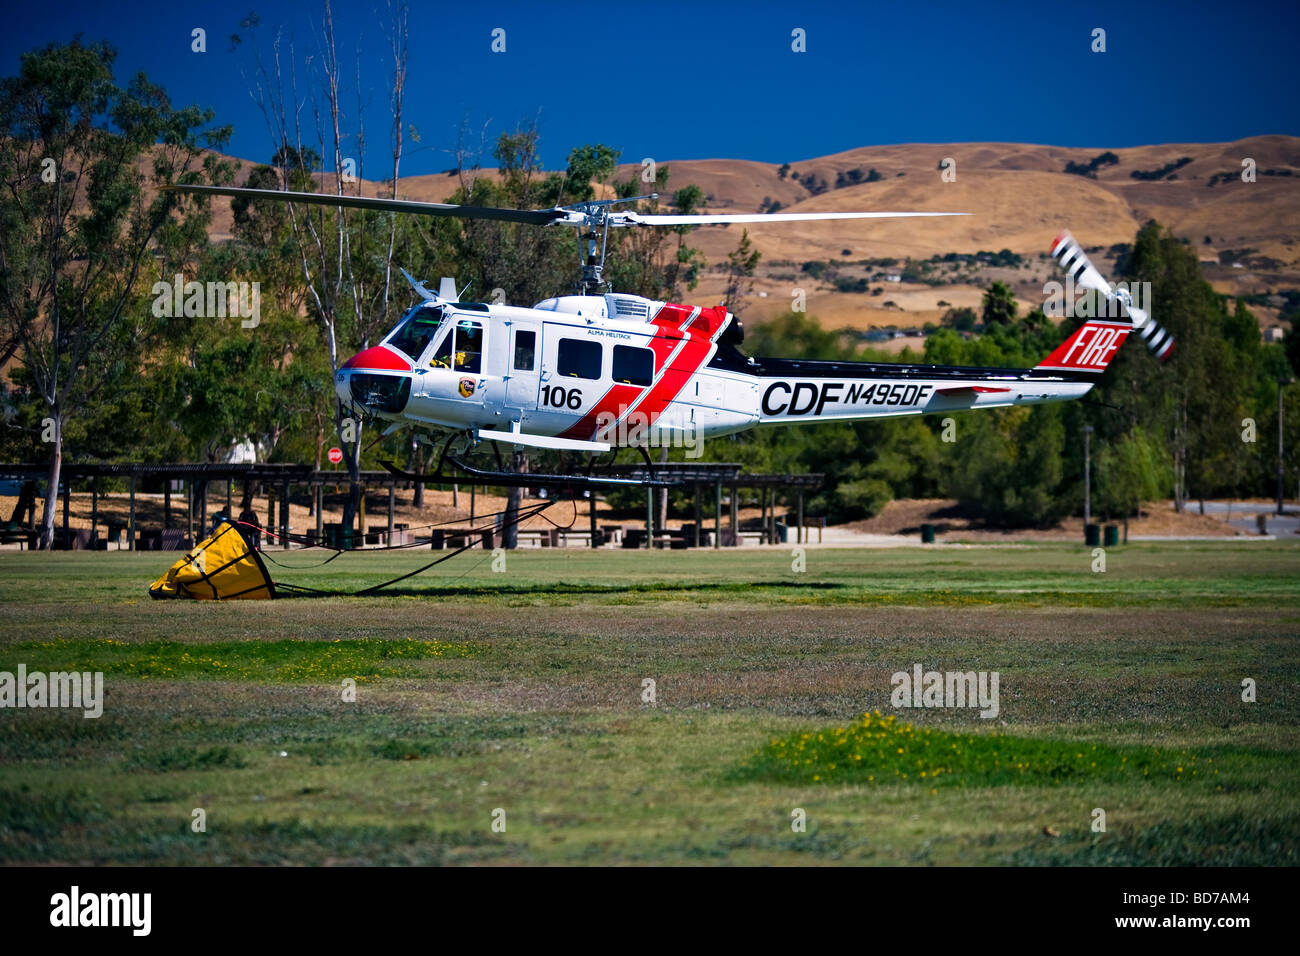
(521, 515)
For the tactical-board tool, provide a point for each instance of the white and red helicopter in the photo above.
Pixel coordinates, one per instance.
(601, 370)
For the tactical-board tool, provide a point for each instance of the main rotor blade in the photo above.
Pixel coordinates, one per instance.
(636, 219)
(534, 217)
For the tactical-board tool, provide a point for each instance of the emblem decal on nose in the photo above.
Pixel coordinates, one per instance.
(467, 386)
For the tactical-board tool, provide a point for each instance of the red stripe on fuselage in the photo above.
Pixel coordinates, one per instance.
(675, 377)
(679, 325)
(662, 345)
(612, 405)
(671, 316)
(692, 354)
(671, 320)
(709, 322)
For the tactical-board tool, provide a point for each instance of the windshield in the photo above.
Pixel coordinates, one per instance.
(414, 334)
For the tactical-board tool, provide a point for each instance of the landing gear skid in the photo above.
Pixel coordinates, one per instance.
(649, 481)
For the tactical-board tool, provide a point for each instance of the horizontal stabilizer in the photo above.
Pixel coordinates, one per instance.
(970, 390)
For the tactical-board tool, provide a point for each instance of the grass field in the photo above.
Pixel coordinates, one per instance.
(523, 691)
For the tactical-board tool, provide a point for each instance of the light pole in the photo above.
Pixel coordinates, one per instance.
(1281, 384)
(1087, 475)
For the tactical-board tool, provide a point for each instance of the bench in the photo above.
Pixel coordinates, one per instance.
(459, 537)
(808, 522)
(14, 534)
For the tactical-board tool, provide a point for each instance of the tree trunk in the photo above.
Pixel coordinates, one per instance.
(52, 486)
(510, 526)
(417, 498)
(1180, 457)
(320, 440)
(353, 458)
(661, 516)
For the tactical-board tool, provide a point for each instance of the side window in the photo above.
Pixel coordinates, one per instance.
(469, 347)
(442, 353)
(525, 350)
(633, 366)
(578, 358)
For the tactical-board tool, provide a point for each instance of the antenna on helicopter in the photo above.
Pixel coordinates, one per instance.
(418, 285)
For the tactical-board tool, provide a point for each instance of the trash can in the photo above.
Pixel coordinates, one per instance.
(927, 534)
(1112, 536)
(338, 537)
(1092, 535)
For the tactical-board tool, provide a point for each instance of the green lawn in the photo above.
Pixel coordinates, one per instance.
(523, 691)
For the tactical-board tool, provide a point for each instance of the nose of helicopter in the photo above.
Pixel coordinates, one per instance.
(377, 378)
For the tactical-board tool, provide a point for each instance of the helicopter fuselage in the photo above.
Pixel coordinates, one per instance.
(590, 372)
(594, 371)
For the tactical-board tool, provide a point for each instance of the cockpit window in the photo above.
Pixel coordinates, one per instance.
(413, 335)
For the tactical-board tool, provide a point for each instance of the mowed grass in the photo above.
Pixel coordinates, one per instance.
(293, 661)
(525, 692)
(883, 748)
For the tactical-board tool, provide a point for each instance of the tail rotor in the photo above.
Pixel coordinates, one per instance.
(1071, 257)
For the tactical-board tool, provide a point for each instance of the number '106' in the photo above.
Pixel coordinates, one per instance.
(558, 397)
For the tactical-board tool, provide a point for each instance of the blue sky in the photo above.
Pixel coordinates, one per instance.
(675, 80)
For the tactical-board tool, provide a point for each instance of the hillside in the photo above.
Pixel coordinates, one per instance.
(1018, 197)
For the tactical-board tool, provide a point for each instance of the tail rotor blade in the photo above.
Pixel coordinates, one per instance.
(1157, 338)
(1067, 251)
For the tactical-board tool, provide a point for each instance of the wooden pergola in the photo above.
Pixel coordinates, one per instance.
(281, 479)
(718, 475)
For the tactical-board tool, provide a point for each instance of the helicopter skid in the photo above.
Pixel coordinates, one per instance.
(543, 441)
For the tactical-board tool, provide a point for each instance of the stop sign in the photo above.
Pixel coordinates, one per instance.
(336, 455)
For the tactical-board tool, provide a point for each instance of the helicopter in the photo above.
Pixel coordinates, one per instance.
(601, 370)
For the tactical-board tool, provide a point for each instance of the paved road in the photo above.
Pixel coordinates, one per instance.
(1244, 516)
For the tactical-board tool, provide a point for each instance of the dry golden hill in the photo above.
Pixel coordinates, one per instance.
(1017, 194)
(1018, 197)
